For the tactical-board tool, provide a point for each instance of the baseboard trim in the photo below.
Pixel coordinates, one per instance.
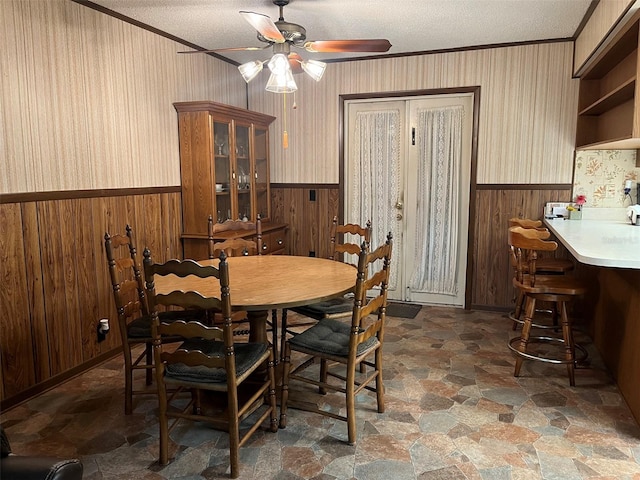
(29, 393)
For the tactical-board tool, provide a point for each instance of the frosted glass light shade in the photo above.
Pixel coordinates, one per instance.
(314, 68)
(249, 70)
(279, 64)
(283, 83)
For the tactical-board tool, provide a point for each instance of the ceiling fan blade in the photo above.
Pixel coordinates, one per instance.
(232, 49)
(295, 62)
(372, 45)
(264, 25)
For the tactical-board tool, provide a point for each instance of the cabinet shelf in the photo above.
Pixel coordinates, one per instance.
(614, 98)
(621, 143)
(608, 104)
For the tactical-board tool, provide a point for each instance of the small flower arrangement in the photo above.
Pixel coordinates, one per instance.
(575, 210)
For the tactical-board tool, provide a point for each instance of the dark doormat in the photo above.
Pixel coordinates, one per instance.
(403, 310)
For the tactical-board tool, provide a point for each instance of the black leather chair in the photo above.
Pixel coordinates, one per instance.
(25, 467)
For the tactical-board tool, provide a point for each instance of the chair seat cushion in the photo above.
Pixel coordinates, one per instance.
(331, 337)
(246, 355)
(141, 327)
(328, 307)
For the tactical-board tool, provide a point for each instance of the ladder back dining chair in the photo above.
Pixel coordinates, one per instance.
(134, 320)
(207, 360)
(340, 307)
(236, 246)
(334, 343)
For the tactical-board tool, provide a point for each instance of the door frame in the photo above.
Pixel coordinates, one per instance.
(471, 234)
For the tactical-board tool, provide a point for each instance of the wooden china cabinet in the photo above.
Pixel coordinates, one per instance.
(224, 169)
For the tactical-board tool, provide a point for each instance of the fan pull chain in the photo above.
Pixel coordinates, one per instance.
(285, 135)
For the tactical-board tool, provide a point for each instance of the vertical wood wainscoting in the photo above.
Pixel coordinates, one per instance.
(309, 211)
(495, 205)
(55, 280)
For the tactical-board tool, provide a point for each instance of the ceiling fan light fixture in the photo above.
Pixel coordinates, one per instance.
(250, 70)
(314, 68)
(279, 64)
(281, 83)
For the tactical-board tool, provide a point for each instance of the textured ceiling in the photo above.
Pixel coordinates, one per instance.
(410, 25)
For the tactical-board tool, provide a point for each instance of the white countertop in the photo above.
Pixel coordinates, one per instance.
(600, 242)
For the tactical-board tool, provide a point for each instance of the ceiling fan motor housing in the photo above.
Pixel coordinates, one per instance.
(292, 32)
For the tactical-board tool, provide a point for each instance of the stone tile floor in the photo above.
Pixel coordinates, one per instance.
(453, 411)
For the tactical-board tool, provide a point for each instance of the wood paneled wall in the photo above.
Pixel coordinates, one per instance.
(309, 210)
(527, 117)
(495, 205)
(87, 99)
(55, 282)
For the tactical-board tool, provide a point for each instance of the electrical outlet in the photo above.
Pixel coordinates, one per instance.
(102, 329)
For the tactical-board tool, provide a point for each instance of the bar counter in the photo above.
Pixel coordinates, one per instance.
(610, 247)
(603, 243)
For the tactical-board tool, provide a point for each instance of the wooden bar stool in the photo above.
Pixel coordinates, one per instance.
(558, 289)
(544, 266)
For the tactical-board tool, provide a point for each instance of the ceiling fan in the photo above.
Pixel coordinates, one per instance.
(282, 35)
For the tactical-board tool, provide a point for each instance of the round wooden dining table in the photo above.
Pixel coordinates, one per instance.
(259, 283)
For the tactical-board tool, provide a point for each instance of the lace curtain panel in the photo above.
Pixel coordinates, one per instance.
(377, 186)
(439, 136)
(376, 175)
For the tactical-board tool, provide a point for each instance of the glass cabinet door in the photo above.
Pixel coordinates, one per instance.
(243, 173)
(261, 173)
(223, 171)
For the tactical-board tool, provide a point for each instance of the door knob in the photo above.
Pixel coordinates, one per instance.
(399, 216)
(399, 205)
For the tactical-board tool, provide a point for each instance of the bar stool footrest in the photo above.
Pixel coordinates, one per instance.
(577, 360)
(512, 317)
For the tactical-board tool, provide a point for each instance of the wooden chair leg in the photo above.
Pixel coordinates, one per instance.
(234, 432)
(149, 360)
(128, 380)
(567, 336)
(530, 308)
(195, 396)
(163, 422)
(323, 376)
(351, 405)
(284, 395)
(379, 383)
(518, 309)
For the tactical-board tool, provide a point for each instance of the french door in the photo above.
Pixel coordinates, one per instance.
(407, 169)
